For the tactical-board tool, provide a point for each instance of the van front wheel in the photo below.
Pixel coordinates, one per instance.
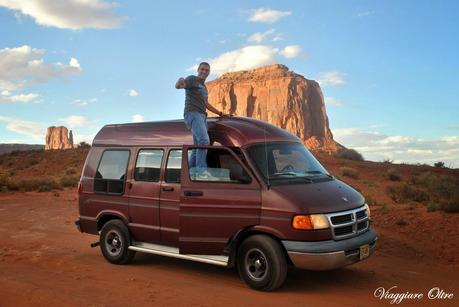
(261, 263)
(115, 241)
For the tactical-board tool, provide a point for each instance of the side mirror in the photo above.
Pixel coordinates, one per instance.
(237, 173)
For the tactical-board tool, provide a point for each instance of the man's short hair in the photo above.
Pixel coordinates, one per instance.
(203, 63)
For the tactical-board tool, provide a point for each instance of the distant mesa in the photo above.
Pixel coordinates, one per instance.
(58, 138)
(278, 96)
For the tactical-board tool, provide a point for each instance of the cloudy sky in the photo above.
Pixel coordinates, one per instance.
(389, 70)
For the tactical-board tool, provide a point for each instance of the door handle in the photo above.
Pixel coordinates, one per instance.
(168, 189)
(193, 193)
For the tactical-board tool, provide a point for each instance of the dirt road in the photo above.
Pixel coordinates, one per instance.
(45, 261)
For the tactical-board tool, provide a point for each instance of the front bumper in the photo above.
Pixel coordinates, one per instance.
(330, 254)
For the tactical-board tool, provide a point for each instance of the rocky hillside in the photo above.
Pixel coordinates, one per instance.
(280, 97)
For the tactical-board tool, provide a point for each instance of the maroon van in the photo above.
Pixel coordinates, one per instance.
(263, 204)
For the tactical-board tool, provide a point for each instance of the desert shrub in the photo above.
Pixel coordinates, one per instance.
(350, 154)
(370, 200)
(33, 162)
(406, 192)
(70, 171)
(392, 174)
(388, 161)
(400, 222)
(441, 191)
(4, 175)
(349, 172)
(83, 145)
(439, 164)
(45, 184)
(69, 181)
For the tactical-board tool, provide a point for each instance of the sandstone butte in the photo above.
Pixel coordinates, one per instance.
(58, 138)
(278, 96)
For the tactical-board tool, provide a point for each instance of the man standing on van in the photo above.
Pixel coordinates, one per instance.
(195, 113)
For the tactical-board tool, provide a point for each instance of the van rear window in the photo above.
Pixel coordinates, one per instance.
(111, 173)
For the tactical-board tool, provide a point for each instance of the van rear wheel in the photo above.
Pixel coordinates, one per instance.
(261, 263)
(115, 241)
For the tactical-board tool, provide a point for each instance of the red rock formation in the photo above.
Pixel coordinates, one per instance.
(58, 138)
(280, 97)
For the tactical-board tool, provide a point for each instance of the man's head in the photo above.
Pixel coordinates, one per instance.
(203, 70)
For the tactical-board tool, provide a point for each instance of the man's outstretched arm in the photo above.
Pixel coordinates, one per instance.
(181, 83)
(212, 109)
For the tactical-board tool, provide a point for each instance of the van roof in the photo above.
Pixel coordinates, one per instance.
(232, 131)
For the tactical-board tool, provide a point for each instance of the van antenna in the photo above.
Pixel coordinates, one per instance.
(266, 143)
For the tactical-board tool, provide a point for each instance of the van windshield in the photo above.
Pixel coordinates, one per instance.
(286, 161)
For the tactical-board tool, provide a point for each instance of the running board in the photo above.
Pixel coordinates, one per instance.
(174, 252)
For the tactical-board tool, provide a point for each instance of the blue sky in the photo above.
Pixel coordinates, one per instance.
(389, 70)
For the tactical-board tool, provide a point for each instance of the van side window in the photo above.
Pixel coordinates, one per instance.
(221, 167)
(111, 173)
(174, 166)
(148, 165)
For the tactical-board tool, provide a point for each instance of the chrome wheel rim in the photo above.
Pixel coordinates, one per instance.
(256, 265)
(114, 243)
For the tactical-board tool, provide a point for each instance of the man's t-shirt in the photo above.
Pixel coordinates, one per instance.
(195, 95)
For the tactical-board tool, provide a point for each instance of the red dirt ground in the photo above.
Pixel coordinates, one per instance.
(45, 261)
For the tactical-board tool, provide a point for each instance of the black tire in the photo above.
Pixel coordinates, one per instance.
(261, 263)
(115, 241)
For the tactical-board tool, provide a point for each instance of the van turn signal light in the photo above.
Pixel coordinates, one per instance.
(302, 222)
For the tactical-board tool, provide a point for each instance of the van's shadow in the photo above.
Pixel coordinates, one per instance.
(297, 280)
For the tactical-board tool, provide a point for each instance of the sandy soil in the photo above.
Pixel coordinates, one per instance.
(45, 261)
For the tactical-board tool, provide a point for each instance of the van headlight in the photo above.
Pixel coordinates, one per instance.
(368, 210)
(310, 222)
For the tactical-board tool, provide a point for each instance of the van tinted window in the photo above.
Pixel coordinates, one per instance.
(111, 173)
(221, 167)
(148, 165)
(174, 166)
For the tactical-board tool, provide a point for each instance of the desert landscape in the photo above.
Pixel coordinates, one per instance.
(45, 261)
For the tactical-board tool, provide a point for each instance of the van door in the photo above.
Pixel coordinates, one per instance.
(216, 203)
(169, 199)
(144, 195)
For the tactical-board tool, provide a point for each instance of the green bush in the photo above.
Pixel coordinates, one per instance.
(392, 174)
(69, 181)
(440, 191)
(70, 171)
(350, 154)
(406, 192)
(3, 177)
(349, 172)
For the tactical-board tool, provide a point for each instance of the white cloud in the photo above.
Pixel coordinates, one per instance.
(137, 118)
(258, 37)
(74, 121)
(291, 51)
(278, 37)
(248, 57)
(133, 93)
(35, 130)
(331, 78)
(267, 15)
(334, 102)
(84, 102)
(376, 146)
(365, 13)
(23, 65)
(18, 98)
(68, 14)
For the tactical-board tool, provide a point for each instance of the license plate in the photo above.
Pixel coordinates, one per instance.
(364, 251)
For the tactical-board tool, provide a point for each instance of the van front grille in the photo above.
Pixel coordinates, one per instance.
(347, 224)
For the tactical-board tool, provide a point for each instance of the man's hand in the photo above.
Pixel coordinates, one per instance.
(181, 83)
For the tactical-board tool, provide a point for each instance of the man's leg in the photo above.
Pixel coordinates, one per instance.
(199, 129)
(193, 154)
